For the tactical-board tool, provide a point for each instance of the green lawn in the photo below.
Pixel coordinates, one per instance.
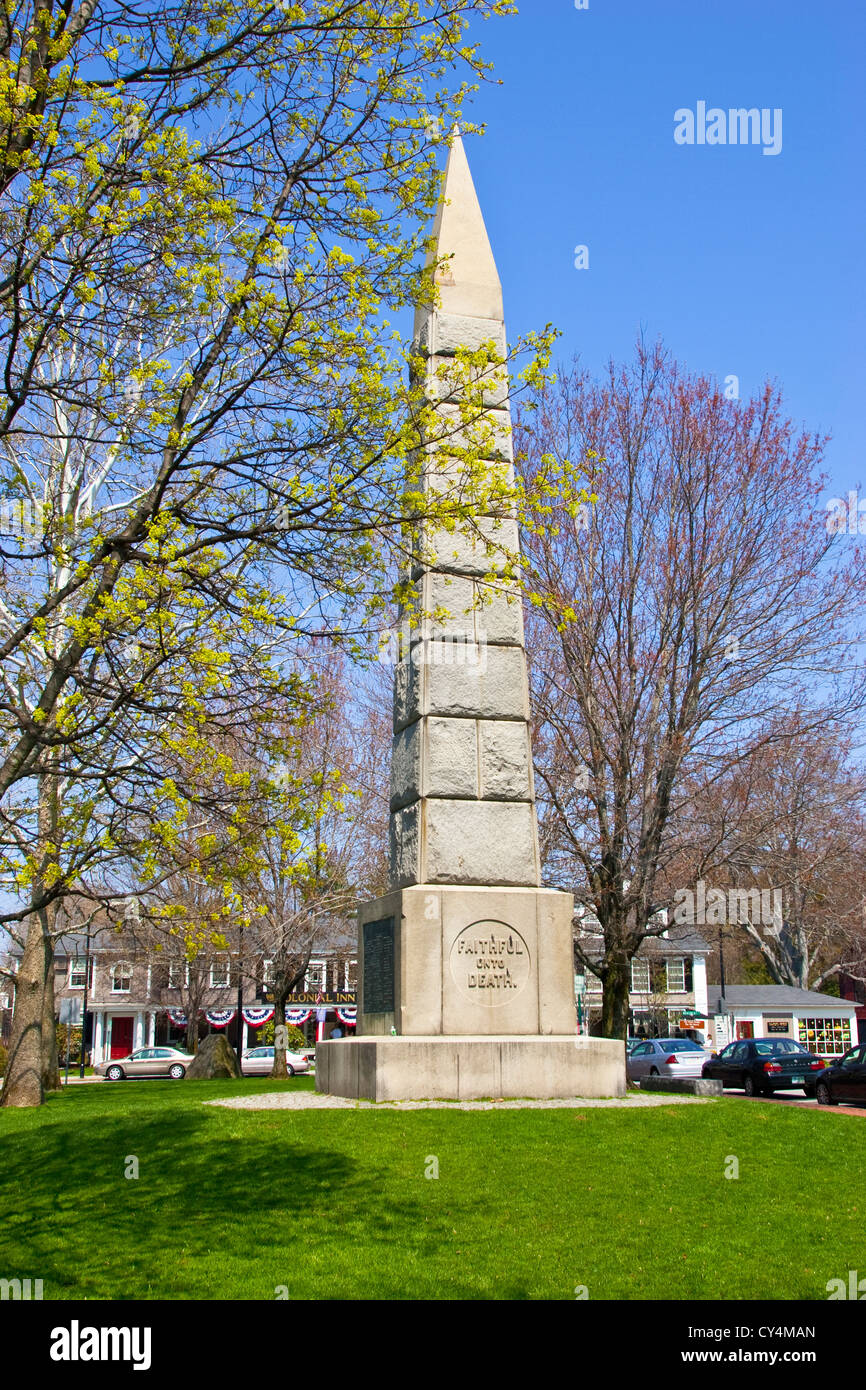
(335, 1204)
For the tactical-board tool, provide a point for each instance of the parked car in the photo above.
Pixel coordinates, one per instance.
(763, 1065)
(146, 1061)
(259, 1061)
(844, 1079)
(671, 1057)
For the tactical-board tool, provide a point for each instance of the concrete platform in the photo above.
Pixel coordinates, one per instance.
(688, 1085)
(470, 1068)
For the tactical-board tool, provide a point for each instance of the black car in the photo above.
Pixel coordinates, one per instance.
(764, 1065)
(844, 1080)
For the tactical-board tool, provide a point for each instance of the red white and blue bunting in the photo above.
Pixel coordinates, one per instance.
(220, 1018)
(178, 1017)
(256, 1017)
(349, 1014)
(297, 1016)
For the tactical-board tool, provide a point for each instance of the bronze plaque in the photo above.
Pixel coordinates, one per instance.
(378, 946)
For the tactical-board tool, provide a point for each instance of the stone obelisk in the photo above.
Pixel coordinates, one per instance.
(465, 968)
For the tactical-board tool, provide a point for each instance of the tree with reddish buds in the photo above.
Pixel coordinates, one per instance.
(695, 598)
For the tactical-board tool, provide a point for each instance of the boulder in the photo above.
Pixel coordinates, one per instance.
(214, 1061)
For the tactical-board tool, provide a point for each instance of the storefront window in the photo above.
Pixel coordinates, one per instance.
(830, 1036)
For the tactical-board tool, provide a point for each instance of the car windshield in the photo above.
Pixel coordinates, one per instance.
(680, 1045)
(779, 1047)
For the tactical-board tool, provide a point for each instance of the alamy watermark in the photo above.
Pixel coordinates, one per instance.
(846, 516)
(735, 126)
(458, 648)
(854, 1289)
(719, 906)
(77, 1343)
(20, 1290)
(20, 516)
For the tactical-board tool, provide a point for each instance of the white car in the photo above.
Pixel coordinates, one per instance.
(259, 1061)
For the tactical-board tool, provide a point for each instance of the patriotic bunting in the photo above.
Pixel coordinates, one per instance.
(220, 1018)
(256, 1017)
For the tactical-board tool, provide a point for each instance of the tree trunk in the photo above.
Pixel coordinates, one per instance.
(33, 1066)
(614, 1006)
(279, 1067)
(24, 1070)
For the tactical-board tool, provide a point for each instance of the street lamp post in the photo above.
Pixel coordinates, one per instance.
(84, 1003)
(240, 1046)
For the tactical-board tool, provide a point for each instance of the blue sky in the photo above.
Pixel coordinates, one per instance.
(744, 263)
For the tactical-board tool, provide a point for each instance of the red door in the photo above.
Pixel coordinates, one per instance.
(121, 1037)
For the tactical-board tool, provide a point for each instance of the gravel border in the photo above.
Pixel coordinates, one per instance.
(311, 1100)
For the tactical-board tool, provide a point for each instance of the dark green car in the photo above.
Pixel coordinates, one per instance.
(764, 1065)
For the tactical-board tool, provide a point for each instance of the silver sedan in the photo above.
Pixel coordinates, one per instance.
(146, 1061)
(259, 1061)
(669, 1057)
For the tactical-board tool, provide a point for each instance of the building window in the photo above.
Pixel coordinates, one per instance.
(827, 1036)
(219, 974)
(350, 974)
(315, 978)
(676, 975)
(178, 974)
(121, 978)
(77, 971)
(640, 976)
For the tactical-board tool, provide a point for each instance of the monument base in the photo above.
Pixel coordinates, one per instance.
(471, 1068)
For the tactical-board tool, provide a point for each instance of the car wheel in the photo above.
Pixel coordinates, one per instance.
(114, 1074)
(750, 1088)
(654, 1071)
(822, 1094)
(177, 1072)
(290, 1071)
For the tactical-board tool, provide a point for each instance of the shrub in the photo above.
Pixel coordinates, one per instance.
(266, 1036)
(74, 1044)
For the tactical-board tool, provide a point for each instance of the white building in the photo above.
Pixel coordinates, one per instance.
(823, 1023)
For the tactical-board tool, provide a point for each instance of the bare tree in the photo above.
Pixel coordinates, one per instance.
(308, 887)
(684, 608)
(799, 831)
